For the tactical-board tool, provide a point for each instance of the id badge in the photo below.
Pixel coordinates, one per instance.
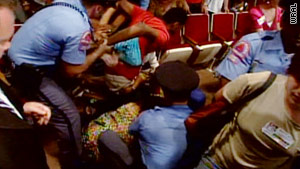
(277, 134)
(261, 20)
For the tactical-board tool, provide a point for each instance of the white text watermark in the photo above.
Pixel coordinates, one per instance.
(293, 14)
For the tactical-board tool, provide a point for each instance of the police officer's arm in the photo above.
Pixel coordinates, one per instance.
(73, 70)
(139, 29)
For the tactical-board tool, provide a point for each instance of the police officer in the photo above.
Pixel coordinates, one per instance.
(54, 41)
(262, 51)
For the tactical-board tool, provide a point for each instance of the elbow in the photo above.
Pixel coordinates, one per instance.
(74, 71)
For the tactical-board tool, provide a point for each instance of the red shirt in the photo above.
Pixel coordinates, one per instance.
(146, 45)
(194, 1)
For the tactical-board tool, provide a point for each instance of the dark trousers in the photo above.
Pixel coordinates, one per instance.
(19, 144)
(65, 118)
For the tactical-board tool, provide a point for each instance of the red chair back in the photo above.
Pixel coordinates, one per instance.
(197, 28)
(223, 26)
(244, 24)
(175, 40)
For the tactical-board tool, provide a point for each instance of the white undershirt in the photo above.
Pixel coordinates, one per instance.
(7, 104)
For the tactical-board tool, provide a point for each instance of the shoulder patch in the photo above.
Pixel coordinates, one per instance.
(240, 51)
(85, 41)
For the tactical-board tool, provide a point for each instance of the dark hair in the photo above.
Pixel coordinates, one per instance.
(104, 3)
(175, 15)
(294, 66)
(10, 4)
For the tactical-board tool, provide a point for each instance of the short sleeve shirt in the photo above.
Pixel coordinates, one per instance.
(54, 33)
(146, 45)
(162, 135)
(260, 19)
(244, 144)
(256, 52)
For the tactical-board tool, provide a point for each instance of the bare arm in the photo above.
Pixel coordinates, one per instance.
(140, 29)
(126, 6)
(223, 81)
(106, 16)
(226, 5)
(205, 7)
(73, 70)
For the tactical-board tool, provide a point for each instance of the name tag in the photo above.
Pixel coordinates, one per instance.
(261, 20)
(278, 135)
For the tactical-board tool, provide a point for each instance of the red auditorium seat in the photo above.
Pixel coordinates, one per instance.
(197, 28)
(175, 40)
(223, 26)
(243, 24)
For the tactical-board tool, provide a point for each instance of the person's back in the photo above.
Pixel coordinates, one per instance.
(161, 131)
(163, 135)
(255, 52)
(262, 51)
(50, 35)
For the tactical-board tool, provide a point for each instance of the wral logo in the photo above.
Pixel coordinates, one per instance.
(293, 14)
(85, 41)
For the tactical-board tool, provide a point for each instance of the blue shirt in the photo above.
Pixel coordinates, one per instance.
(162, 135)
(54, 33)
(256, 52)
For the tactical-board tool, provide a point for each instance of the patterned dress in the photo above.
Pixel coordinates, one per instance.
(117, 121)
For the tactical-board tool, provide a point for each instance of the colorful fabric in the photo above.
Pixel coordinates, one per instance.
(207, 163)
(260, 19)
(146, 45)
(130, 51)
(118, 121)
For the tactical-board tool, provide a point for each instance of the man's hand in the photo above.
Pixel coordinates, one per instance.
(38, 111)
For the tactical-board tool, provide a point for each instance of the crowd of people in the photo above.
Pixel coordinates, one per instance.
(152, 113)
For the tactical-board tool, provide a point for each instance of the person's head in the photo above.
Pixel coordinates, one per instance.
(96, 8)
(177, 80)
(175, 18)
(7, 20)
(293, 82)
(290, 32)
(270, 3)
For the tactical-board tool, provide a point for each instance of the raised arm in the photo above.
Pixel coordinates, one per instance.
(73, 70)
(126, 6)
(139, 29)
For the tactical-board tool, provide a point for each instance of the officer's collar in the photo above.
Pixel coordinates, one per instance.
(272, 40)
(76, 3)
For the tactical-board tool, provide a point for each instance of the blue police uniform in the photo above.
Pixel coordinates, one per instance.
(53, 33)
(256, 52)
(56, 33)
